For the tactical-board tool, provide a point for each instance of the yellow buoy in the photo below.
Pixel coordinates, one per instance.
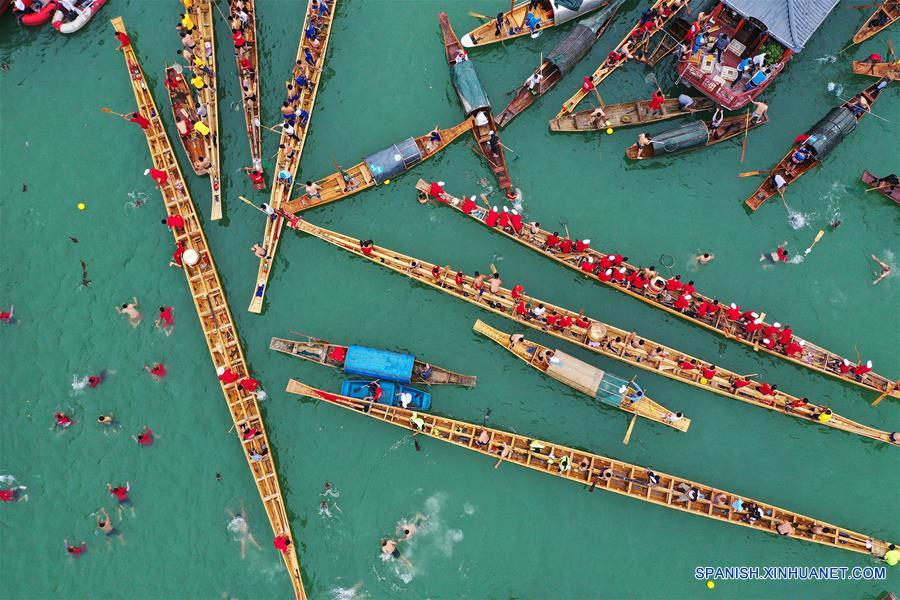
(609, 130)
(81, 206)
(710, 584)
(387, 182)
(704, 380)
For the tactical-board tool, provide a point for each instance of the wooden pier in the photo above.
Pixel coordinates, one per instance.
(215, 317)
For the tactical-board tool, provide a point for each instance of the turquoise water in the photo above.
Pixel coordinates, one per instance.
(491, 534)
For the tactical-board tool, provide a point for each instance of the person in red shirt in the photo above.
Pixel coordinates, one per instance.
(160, 177)
(7, 315)
(174, 221)
(246, 63)
(365, 246)
(8, 495)
(686, 365)
(799, 403)
(683, 302)
(565, 246)
(618, 259)
(176, 256)
(124, 40)
(769, 343)
(844, 367)
(588, 84)
(606, 262)
(552, 241)
(565, 322)
(226, 375)
(120, 493)
(581, 321)
(283, 543)
(62, 420)
(75, 551)
(517, 291)
(582, 245)
(166, 319)
(436, 272)
(738, 383)
(552, 319)
(95, 380)
(460, 278)
(249, 384)
(770, 330)
(674, 284)
(794, 348)
(521, 310)
(587, 265)
(606, 276)
(860, 370)
(237, 36)
(620, 275)
(734, 312)
(138, 118)
(256, 177)
(656, 102)
(766, 389)
(248, 432)
(145, 438)
(158, 371)
(640, 282)
(708, 372)
(688, 288)
(752, 327)
(785, 335)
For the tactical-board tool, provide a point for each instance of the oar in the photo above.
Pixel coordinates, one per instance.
(868, 110)
(746, 131)
(112, 112)
(510, 149)
(752, 173)
(847, 48)
(881, 186)
(253, 205)
(480, 16)
(864, 6)
(216, 4)
(815, 241)
(891, 49)
(887, 391)
(630, 429)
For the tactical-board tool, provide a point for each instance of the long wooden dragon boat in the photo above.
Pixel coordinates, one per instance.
(377, 168)
(818, 142)
(309, 63)
(560, 61)
(609, 474)
(360, 360)
(609, 389)
(475, 103)
(637, 44)
(885, 70)
(892, 192)
(512, 23)
(184, 111)
(697, 134)
(248, 78)
(216, 321)
(656, 294)
(626, 114)
(883, 17)
(597, 336)
(204, 35)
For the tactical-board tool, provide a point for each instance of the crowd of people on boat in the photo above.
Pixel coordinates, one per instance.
(242, 35)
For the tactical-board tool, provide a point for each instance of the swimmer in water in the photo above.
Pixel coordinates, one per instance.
(6, 316)
(104, 524)
(130, 310)
(885, 269)
(106, 420)
(62, 420)
(238, 525)
(389, 550)
(323, 508)
(705, 258)
(75, 551)
(328, 490)
(409, 529)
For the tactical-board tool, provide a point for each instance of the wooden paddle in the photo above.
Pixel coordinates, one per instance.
(887, 391)
(480, 16)
(891, 49)
(629, 430)
(216, 4)
(864, 6)
(815, 241)
(112, 112)
(879, 187)
(253, 205)
(752, 173)
(746, 131)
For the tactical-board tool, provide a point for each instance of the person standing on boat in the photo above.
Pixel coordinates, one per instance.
(743, 68)
(758, 79)
(759, 111)
(494, 142)
(535, 80)
(643, 141)
(716, 122)
(685, 101)
(656, 102)
(498, 24)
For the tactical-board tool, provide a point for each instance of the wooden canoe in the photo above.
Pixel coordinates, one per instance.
(248, 80)
(184, 111)
(814, 357)
(609, 474)
(599, 337)
(323, 353)
(290, 149)
(881, 70)
(673, 33)
(483, 124)
(567, 52)
(626, 114)
(885, 16)
(792, 172)
(610, 386)
(202, 13)
(731, 127)
(216, 320)
(550, 15)
(638, 48)
(346, 182)
(886, 190)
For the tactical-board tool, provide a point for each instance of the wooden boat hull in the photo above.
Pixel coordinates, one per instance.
(883, 70)
(887, 13)
(626, 114)
(612, 475)
(891, 192)
(184, 110)
(345, 183)
(815, 357)
(250, 79)
(496, 161)
(525, 97)
(791, 172)
(675, 32)
(503, 303)
(730, 128)
(513, 22)
(334, 355)
(392, 392)
(528, 352)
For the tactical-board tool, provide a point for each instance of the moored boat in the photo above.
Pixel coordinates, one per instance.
(516, 22)
(184, 112)
(633, 45)
(378, 167)
(84, 11)
(705, 311)
(475, 103)
(626, 114)
(372, 362)
(756, 33)
(888, 70)
(387, 392)
(612, 475)
(600, 385)
(889, 187)
(599, 337)
(884, 16)
(693, 135)
(816, 144)
(560, 61)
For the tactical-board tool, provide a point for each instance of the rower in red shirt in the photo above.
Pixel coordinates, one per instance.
(619, 274)
(552, 240)
(587, 84)
(140, 119)
(752, 327)
(565, 321)
(860, 370)
(618, 259)
(460, 278)
(176, 256)
(708, 372)
(688, 288)
(582, 245)
(734, 312)
(552, 319)
(686, 365)
(367, 250)
(249, 384)
(123, 38)
(657, 100)
(521, 309)
(606, 262)
(517, 291)
(794, 348)
(283, 543)
(844, 367)
(785, 335)
(674, 284)
(226, 375)
(769, 343)
(739, 382)
(770, 330)
(174, 221)
(587, 265)
(566, 246)
(238, 38)
(606, 276)
(766, 389)
(683, 302)
(639, 281)
(246, 63)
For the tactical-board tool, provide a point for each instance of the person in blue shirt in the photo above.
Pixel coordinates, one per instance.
(309, 57)
(758, 79)
(743, 68)
(721, 43)
(311, 32)
(532, 22)
(699, 42)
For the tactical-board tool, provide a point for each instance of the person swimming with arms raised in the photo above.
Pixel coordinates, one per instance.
(239, 526)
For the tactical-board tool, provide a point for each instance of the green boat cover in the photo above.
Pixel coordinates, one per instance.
(825, 135)
(468, 87)
(690, 135)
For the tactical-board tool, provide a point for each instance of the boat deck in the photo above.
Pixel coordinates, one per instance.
(202, 13)
(604, 473)
(250, 80)
(212, 308)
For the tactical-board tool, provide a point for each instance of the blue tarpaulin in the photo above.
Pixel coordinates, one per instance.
(380, 364)
(394, 160)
